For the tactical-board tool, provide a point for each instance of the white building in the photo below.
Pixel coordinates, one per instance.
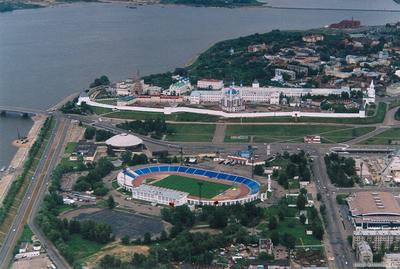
(232, 101)
(364, 252)
(159, 195)
(253, 94)
(354, 59)
(313, 38)
(289, 73)
(257, 94)
(123, 88)
(376, 237)
(179, 88)
(391, 260)
(369, 97)
(211, 84)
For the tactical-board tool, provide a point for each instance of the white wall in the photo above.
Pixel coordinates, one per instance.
(170, 110)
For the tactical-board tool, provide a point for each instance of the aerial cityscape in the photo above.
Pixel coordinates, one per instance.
(200, 134)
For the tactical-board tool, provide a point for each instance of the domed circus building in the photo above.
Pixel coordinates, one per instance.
(124, 141)
(178, 185)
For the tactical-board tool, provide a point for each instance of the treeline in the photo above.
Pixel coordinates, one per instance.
(156, 128)
(297, 165)
(93, 180)
(219, 63)
(397, 115)
(60, 231)
(341, 170)
(71, 107)
(130, 159)
(283, 214)
(7, 6)
(101, 81)
(17, 184)
(98, 134)
(183, 246)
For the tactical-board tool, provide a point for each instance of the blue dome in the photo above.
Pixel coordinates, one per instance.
(232, 91)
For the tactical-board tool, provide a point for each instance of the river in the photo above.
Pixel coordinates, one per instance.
(46, 54)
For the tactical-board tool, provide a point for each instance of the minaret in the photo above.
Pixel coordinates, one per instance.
(269, 183)
(371, 92)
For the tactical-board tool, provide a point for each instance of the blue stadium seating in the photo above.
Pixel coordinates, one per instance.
(182, 169)
(253, 185)
(154, 169)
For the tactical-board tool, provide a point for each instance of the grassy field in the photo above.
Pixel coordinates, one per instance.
(292, 225)
(82, 248)
(138, 115)
(293, 133)
(377, 118)
(108, 101)
(386, 138)
(191, 132)
(190, 185)
(70, 147)
(346, 135)
(26, 235)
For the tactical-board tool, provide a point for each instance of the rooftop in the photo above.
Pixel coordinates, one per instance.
(124, 140)
(371, 203)
(154, 190)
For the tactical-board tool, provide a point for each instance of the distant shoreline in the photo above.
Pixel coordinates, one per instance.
(334, 9)
(12, 6)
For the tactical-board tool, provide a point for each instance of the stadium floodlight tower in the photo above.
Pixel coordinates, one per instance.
(200, 184)
(181, 152)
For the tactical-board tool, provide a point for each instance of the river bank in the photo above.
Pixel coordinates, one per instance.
(16, 166)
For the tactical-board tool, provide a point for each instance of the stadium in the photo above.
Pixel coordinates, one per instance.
(178, 185)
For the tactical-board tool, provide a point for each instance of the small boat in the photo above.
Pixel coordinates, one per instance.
(132, 7)
(3, 169)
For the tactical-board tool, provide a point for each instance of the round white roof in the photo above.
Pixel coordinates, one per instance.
(124, 140)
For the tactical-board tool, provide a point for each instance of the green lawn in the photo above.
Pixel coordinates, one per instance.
(81, 248)
(70, 147)
(377, 118)
(68, 162)
(26, 235)
(100, 110)
(271, 133)
(292, 226)
(294, 133)
(190, 185)
(135, 115)
(388, 137)
(108, 101)
(345, 135)
(192, 132)
(138, 115)
(297, 230)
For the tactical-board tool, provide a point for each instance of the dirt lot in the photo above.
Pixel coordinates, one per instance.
(68, 180)
(38, 262)
(125, 253)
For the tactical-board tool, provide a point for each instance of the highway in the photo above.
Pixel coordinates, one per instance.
(33, 197)
(334, 229)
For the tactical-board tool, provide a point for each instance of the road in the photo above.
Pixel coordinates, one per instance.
(33, 197)
(334, 229)
(37, 188)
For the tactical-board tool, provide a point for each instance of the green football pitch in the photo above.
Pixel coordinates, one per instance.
(191, 185)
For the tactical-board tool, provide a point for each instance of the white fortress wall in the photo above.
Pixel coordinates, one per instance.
(170, 110)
